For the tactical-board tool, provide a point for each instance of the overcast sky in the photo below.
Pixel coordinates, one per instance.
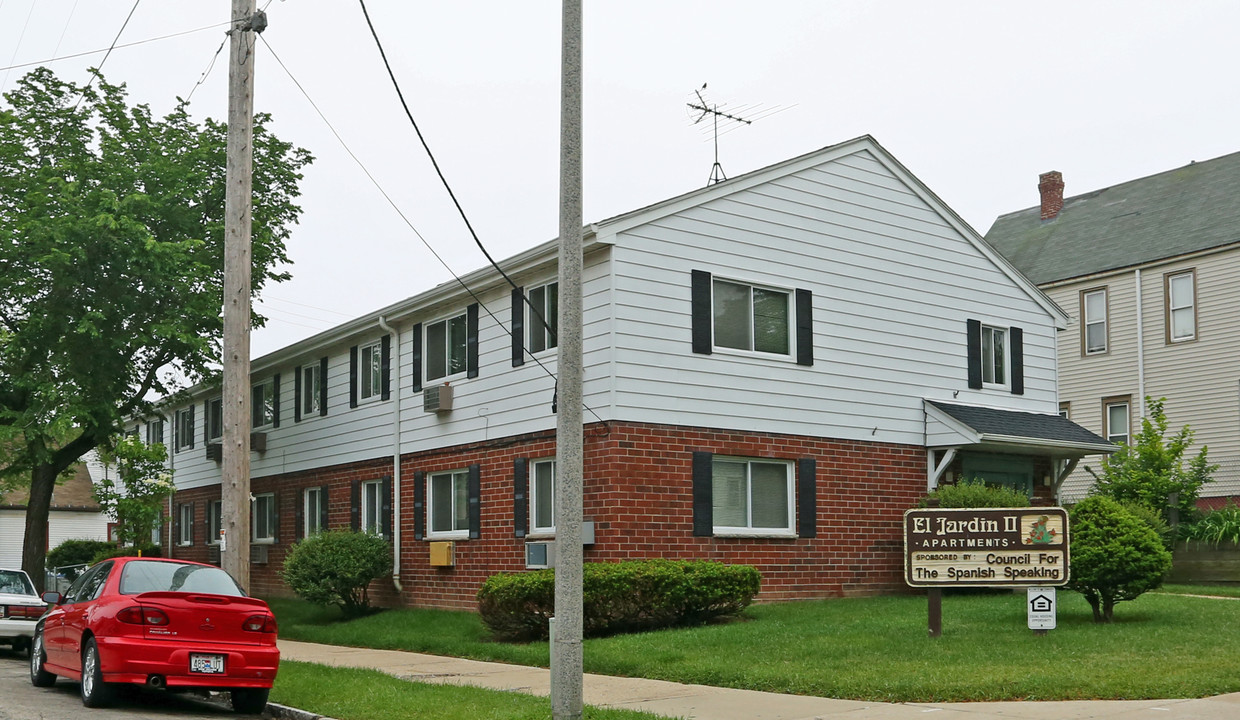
(974, 98)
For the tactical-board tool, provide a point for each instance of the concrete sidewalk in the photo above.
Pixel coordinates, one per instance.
(701, 702)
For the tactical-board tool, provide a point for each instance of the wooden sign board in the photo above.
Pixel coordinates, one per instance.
(986, 547)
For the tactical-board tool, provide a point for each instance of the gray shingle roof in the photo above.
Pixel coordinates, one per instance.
(1014, 423)
(1192, 208)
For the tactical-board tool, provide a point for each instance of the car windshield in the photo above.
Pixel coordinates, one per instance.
(15, 582)
(141, 576)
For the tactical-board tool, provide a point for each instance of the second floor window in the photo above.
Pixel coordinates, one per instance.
(446, 347)
(1181, 306)
(155, 431)
(544, 301)
(1094, 321)
(263, 404)
(748, 317)
(370, 370)
(215, 419)
(311, 376)
(994, 355)
(183, 428)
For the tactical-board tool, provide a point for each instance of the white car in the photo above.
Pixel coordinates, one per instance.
(20, 609)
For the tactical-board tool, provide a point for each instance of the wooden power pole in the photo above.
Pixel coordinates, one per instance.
(238, 199)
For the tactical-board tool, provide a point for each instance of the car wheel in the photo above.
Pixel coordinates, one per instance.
(95, 692)
(250, 701)
(38, 676)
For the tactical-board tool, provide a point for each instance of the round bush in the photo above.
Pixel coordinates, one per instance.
(1115, 555)
(335, 568)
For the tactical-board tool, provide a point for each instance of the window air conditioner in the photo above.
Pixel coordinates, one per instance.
(215, 451)
(437, 399)
(258, 441)
(258, 554)
(539, 555)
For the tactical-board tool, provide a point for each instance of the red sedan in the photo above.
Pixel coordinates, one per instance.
(160, 623)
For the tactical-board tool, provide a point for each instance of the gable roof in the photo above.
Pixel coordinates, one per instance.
(1181, 211)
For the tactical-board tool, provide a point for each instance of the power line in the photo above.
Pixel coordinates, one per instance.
(108, 54)
(68, 21)
(207, 72)
(116, 47)
(17, 47)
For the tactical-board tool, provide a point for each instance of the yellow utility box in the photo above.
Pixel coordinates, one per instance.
(442, 554)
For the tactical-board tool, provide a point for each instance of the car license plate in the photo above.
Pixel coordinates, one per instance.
(212, 664)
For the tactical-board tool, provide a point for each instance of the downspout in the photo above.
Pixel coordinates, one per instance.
(394, 371)
(1140, 404)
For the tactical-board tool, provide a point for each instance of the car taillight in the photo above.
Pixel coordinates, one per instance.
(138, 615)
(259, 623)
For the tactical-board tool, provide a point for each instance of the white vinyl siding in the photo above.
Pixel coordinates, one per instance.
(449, 505)
(1094, 312)
(751, 496)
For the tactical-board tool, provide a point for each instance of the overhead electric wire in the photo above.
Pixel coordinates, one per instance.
(119, 46)
(68, 21)
(108, 54)
(210, 66)
(17, 47)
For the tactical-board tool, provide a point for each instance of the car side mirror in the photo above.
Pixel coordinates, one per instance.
(53, 598)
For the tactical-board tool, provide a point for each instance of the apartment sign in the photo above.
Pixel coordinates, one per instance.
(986, 547)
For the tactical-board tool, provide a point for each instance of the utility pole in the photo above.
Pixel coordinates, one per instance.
(238, 200)
(566, 651)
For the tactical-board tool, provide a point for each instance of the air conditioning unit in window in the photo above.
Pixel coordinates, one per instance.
(437, 399)
(258, 554)
(215, 451)
(539, 555)
(258, 441)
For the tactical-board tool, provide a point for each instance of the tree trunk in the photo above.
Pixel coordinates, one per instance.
(34, 545)
(1108, 610)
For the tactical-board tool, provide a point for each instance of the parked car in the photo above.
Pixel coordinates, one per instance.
(170, 624)
(20, 608)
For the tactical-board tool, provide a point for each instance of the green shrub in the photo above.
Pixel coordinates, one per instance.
(620, 597)
(977, 493)
(1217, 526)
(1153, 519)
(113, 552)
(1115, 556)
(76, 552)
(335, 568)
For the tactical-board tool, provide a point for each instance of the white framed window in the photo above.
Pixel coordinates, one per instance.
(1181, 294)
(446, 347)
(263, 404)
(311, 377)
(215, 521)
(543, 301)
(448, 504)
(1094, 321)
(185, 525)
(312, 511)
(370, 371)
(215, 419)
(751, 318)
(751, 496)
(542, 496)
(155, 431)
(183, 429)
(994, 356)
(372, 507)
(263, 518)
(1116, 419)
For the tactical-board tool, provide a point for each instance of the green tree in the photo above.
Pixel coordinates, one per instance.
(1151, 470)
(1115, 555)
(134, 500)
(111, 266)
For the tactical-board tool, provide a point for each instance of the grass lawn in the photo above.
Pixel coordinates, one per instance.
(1160, 646)
(355, 694)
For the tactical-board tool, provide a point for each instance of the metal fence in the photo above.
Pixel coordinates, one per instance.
(58, 579)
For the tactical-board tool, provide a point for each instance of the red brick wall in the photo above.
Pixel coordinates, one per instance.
(638, 492)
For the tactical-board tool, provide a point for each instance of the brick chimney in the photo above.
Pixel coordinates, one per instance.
(1050, 185)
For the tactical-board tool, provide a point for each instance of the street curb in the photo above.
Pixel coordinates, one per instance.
(284, 712)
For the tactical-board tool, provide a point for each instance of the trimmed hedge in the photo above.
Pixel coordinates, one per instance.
(629, 596)
(128, 551)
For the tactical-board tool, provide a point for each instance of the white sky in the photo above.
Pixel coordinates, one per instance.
(975, 98)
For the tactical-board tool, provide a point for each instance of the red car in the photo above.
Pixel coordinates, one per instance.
(161, 623)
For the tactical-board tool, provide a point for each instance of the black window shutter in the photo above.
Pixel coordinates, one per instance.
(473, 488)
(385, 373)
(206, 421)
(471, 340)
(700, 301)
(275, 401)
(1016, 346)
(520, 488)
(297, 395)
(323, 508)
(176, 526)
(416, 357)
(323, 385)
(193, 525)
(189, 441)
(275, 517)
(805, 327)
(300, 531)
(974, 331)
(355, 505)
(385, 508)
(703, 509)
(419, 505)
(353, 376)
(807, 497)
(518, 327)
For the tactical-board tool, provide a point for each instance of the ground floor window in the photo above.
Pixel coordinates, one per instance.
(372, 504)
(263, 517)
(449, 504)
(751, 496)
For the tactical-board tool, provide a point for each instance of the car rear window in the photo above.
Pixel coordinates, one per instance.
(15, 582)
(141, 576)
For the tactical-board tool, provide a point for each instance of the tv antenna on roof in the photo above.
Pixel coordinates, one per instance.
(700, 110)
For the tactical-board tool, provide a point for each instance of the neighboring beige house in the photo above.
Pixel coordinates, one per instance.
(1149, 274)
